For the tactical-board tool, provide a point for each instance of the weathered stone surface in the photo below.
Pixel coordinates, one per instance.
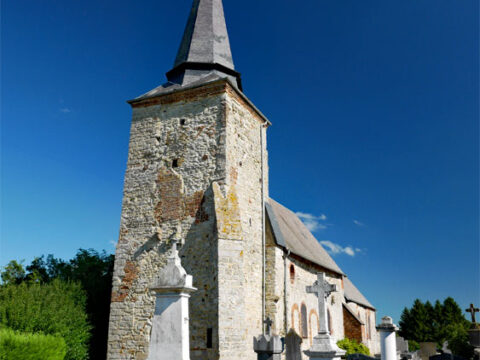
(193, 172)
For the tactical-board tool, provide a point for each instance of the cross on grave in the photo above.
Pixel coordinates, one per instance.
(472, 310)
(322, 289)
(268, 322)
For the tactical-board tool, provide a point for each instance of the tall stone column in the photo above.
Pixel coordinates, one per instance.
(324, 346)
(388, 340)
(170, 338)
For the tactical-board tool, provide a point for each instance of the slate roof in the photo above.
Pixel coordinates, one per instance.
(352, 294)
(290, 233)
(206, 38)
(204, 54)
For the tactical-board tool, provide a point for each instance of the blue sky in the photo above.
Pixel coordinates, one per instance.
(375, 135)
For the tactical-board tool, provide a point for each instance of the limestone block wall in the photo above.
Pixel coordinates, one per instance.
(302, 308)
(275, 301)
(194, 173)
(239, 227)
(303, 276)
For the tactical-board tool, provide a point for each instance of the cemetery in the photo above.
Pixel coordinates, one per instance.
(208, 266)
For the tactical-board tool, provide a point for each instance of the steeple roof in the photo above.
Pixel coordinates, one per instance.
(205, 47)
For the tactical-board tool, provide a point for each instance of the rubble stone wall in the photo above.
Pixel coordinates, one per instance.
(193, 173)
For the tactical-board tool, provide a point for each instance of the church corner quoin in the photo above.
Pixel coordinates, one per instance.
(198, 171)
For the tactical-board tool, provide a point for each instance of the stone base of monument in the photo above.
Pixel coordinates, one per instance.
(324, 347)
(268, 347)
(474, 335)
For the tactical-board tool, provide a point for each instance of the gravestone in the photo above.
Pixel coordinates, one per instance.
(293, 346)
(402, 345)
(474, 331)
(324, 346)
(427, 349)
(473, 310)
(388, 342)
(170, 338)
(268, 346)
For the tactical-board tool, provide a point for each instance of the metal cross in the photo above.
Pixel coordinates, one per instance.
(472, 310)
(322, 289)
(269, 324)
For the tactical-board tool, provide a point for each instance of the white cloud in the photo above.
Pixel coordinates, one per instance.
(358, 223)
(313, 222)
(65, 110)
(113, 243)
(336, 249)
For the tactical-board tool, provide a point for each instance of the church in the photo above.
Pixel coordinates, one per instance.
(197, 173)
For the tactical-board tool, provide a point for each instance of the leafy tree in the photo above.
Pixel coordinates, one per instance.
(56, 308)
(93, 270)
(415, 322)
(438, 323)
(13, 273)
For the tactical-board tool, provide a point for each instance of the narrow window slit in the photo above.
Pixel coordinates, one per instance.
(209, 338)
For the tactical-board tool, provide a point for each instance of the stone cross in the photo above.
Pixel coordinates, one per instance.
(472, 310)
(322, 289)
(268, 322)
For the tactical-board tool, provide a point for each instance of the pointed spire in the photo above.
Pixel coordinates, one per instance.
(205, 47)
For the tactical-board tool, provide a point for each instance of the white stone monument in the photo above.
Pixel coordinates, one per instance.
(170, 327)
(388, 340)
(324, 346)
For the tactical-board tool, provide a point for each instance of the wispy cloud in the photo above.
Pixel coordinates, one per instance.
(336, 249)
(358, 223)
(113, 243)
(313, 222)
(65, 110)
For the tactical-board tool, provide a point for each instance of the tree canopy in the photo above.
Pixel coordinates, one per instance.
(56, 308)
(424, 322)
(91, 269)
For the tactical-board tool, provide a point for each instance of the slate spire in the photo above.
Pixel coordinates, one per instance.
(205, 47)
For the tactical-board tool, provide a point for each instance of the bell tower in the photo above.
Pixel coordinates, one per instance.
(197, 171)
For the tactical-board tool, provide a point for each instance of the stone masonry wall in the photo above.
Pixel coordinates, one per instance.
(193, 172)
(303, 275)
(370, 335)
(240, 242)
(175, 152)
(353, 329)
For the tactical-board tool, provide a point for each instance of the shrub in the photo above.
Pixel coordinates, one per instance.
(353, 347)
(93, 270)
(413, 345)
(17, 346)
(56, 308)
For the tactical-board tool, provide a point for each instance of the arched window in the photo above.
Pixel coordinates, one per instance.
(292, 273)
(304, 321)
(330, 328)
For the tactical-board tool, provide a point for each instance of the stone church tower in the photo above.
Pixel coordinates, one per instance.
(197, 172)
